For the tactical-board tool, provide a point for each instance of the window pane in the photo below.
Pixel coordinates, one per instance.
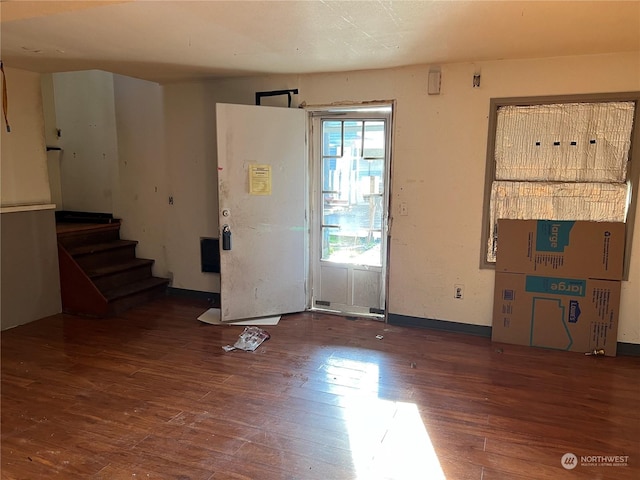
(332, 173)
(353, 194)
(370, 176)
(353, 139)
(373, 139)
(332, 206)
(329, 241)
(331, 138)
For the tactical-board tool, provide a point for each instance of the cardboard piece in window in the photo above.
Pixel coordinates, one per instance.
(573, 314)
(561, 248)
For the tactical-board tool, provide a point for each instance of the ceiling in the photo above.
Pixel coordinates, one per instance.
(166, 41)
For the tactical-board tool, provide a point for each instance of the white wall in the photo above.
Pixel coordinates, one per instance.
(166, 140)
(438, 169)
(49, 109)
(23, 165)
(85, 113)
(51, 138)
(190, 133)
(190, 147)
(141, 199)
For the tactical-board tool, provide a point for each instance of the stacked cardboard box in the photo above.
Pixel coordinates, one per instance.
(558, 284)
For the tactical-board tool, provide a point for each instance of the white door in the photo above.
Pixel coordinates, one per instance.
(262, 195)
(351, 159)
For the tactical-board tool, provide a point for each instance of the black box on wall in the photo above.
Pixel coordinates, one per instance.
(210, 255)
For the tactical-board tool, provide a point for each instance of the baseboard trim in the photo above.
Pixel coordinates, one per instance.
(443, 325)
(623, 348)
(212, 297)
(630, 349)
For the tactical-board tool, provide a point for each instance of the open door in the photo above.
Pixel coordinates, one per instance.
(351, 161)
(262, 195)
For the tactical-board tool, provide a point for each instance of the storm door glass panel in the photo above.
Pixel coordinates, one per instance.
(353, 159)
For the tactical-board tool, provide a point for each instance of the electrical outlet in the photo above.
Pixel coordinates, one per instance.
(458, 291)
(404, 210)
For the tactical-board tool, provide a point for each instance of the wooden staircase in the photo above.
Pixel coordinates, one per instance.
(100, 275)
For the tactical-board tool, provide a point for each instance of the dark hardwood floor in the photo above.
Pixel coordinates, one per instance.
(152, 395)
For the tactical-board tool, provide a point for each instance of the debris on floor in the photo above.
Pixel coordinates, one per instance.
(250, 339)
(379, 337)
(597, 352)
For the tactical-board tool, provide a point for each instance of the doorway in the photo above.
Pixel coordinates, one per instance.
(350, 165)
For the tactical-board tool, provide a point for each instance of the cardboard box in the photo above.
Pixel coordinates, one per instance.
(561, 248)
(574, 314)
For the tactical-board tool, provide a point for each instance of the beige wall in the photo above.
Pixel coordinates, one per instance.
(30, 286)
(23, 166)
(142, 199)
(49, 110)
(51, 138)
(29, 264)
(85, 114)
(191, 169)
(438, 169)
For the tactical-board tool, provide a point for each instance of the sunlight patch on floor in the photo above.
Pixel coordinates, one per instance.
(388, 439)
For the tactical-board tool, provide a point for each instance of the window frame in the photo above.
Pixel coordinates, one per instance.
(633, 168)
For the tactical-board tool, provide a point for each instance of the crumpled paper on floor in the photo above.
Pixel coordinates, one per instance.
(250, 339)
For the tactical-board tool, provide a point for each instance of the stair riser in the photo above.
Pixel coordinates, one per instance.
(107, 257)
(123, 304)
(114, 280)
(85, 238)
(100, 273)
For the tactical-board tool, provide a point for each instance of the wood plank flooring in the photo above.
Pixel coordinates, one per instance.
(151, 394)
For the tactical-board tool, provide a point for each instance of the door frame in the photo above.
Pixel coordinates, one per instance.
(352, 110)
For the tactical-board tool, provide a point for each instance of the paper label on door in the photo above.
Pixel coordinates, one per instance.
(260, 179)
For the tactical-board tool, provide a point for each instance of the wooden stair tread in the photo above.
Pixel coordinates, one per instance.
(73, 216)
(100, 247)
(119, 267)
(135, 287)
(102, 274)
(64, 229)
